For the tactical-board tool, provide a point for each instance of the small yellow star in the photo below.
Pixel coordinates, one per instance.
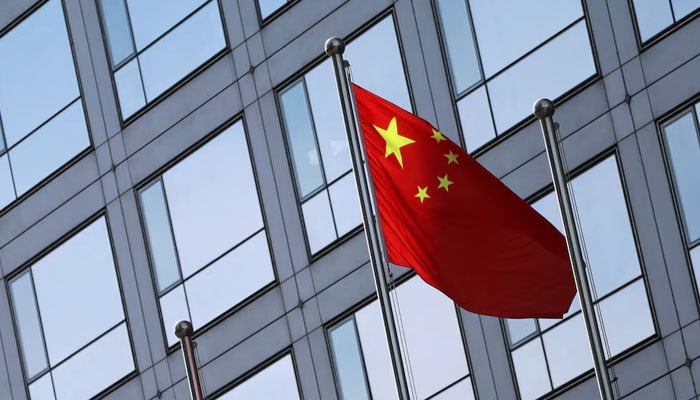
(451, 158)
(422, 194)
(394, 141)
(444, 183)
(437, 135)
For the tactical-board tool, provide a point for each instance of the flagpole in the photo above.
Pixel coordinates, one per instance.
(543, 109)
(184, 330)
(334, 48)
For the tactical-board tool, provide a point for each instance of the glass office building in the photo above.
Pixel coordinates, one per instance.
(168, 160)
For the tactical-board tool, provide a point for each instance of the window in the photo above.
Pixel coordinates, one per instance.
(70, 320)
(502, 57)
(276, 381)
(654, 16)
(268, 7)
(205, 232)
(42, 123)
(438, 371)
(316, 137)
(154, 44)
(547, 353)
(682, 144)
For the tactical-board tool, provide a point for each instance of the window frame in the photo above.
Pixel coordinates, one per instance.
(262, 21)
(659, 36)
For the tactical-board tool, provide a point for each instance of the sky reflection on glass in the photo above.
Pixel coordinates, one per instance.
(276, 381)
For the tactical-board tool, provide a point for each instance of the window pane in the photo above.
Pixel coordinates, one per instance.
(129, 89)
(42, 389)
(346, 204)
(508, 29)
(622, 327)
(652, 16)
(695, 263)
(213, 199)
(229, 280)
(30, 92)
(318, 220)
(531, 370)
(267, 7)
(567, 350)
(7, 189)
(76, 286)
(28, 325)
(461, 391)
(375, 350)
(681, 8)
(461, 50)
(173, 307)
(328, 120)
(475, 116)
(605, 226)
(152, 18)
(519, 329)
(95, 367)
(549, 72)
(300, 135)
(160, 237)
(277, 381)
(684, 153)
(388, 81)
(116, 22)
(347, 360)
(48, 148)
(181, 50)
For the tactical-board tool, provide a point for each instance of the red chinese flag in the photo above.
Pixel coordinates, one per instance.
(457, 225)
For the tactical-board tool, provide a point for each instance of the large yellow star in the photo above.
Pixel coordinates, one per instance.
(422, 194)
(444, 183)
(394, 141)
(451, 158)
(437, 135)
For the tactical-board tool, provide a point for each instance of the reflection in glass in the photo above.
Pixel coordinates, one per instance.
(267, 7)
(681, 8)
(300, 136)
(683, 148)
(548, 72)
(475, 117)
(346, 204)
(567, 348)
(173, 307)
(129, 88)
(318, 220)
(622, 327)
(212, 208)
(531, 370)
(94, 368)
(49, 147)
(348, 361)
(42, 389)
(179, 52)
(7, 188)
(695, 263)
(116, 21)
(152, 18)
(519, 329)
(652, 16)
(375, 350)
(461, 391)
(277, 381)
(459, 43)
(160, 238)
(28, 325)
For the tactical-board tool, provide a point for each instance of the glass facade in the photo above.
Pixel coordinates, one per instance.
(502, 55)
(154, 44)
(268, 7)
(316, 138)
(42, 122)
(276, 381)
(548, 353)
(654, 16)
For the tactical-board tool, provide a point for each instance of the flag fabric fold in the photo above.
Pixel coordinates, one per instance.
(453, 222)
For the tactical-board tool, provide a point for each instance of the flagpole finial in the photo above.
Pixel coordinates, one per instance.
(183, 328)
(334, 45)
(543, 108)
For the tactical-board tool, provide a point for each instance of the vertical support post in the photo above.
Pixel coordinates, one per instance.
(184, 330)
(543, 109)
(334, 48)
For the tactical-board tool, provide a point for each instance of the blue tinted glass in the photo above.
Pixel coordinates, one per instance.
(7, 188)
(116, 22)
(267, 7)
(51, 146)
(318, 220)
(30, 93)
(531, 370)
(348, 361)
(173, 307)
(681, 8)
(213, 199)
(28, 325)
(277, 381)
(150, 19)
(652, 16)
(549, 72)
(76, 285)
(160, 238)
(568, 352)
(519, 329)
(129, 88)
(461, 391)
(374, 349)
(459, 43)
(623, 328)
(42, 389)
(508, 29)
(695, 263)
(300, 135)
(96, 367)
(182, 50)
(346, 204)
(684, 153)
(475, 116)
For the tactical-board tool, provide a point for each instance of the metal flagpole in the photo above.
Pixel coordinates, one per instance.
(335, 48)
(543, 110)
(184, 330)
